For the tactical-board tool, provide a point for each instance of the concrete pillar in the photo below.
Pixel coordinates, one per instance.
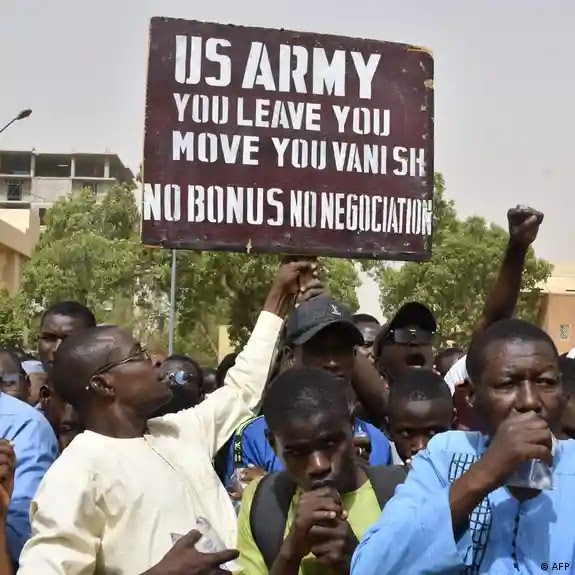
(107, 167)
(73, 167)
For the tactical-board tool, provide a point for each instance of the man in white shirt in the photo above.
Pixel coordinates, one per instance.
(127, 488)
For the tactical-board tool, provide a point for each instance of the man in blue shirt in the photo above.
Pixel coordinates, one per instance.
(36, 449)
(250, 447)
(319, 333)
(459, 511)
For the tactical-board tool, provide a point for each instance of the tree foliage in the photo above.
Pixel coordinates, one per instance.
(12, 325)
(91, 252)
(454, 284)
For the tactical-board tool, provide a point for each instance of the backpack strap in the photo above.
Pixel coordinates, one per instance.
(269, 513)
(274, 494)
(384, 479)
(238, 446)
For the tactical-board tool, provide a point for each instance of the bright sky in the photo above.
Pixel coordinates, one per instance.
(505, 81)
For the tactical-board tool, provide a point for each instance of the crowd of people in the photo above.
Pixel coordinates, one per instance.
(328, 445)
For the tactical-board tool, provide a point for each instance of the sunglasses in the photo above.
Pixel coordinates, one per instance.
(405, 336)
(139, 354)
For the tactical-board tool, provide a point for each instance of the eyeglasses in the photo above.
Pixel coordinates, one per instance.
(406, 335)
(140, 354)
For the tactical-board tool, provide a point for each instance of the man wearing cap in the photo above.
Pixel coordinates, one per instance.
(406, 341)
(319, 333)
(37, 377)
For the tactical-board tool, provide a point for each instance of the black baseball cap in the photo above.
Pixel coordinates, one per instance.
(413, 314)
(314, 315)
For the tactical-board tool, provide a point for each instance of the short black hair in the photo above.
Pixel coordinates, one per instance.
(72, 309)
(185, 359)
(302, 392)
(364, 318)
(504, 330)
(14, 358)
(20, 353)
(418, 384)
(448, 353)
(226, 364)
(79, 356)
(567, 370)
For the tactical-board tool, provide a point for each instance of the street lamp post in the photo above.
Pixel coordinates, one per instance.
(23, 114)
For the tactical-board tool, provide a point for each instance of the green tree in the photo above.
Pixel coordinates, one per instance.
(454, 283)
(91, 252)
(11, 322)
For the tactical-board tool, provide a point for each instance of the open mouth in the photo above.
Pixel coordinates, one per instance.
(415, 360)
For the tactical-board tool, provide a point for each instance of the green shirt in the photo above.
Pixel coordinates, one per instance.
(363, 512)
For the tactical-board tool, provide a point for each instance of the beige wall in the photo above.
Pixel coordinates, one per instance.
(11, 264)
(19, 233)
(558, 307)
(558, 319)
(48, 190)
(224, 345)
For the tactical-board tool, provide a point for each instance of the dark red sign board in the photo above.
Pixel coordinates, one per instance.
(275, 141)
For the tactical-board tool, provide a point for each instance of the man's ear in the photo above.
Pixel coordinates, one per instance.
(288, 356)
(44, 394)
(99, 385)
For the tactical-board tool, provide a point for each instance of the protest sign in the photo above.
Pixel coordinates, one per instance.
(275, 141)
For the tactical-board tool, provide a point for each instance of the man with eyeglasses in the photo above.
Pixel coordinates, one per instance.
(129, 494)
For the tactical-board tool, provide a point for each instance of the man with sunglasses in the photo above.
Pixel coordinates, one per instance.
(406, 341)
(129, 494)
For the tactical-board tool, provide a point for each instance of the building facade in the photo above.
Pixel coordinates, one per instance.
(558, 307)
(29, 179)
(19, 233)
